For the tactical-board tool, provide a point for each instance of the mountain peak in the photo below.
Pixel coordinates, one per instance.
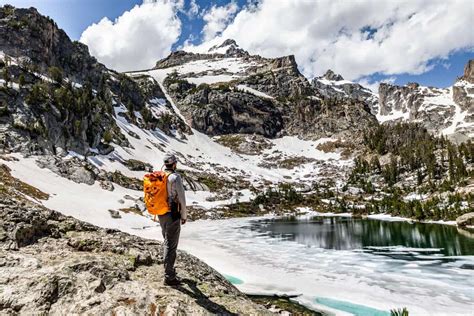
(331, 75)
(228, 47)
(229, 42)
(469, 71)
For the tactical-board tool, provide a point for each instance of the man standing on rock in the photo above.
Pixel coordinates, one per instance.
(171, 221)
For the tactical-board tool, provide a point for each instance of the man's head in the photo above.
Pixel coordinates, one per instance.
(170, 161)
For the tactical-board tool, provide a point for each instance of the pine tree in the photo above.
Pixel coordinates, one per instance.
(375, 164)
(56, 74)
(103, 88)
(37, 95)
(146, 114)
(6, 76)
(131, 110)
(21, 80)
(107, 137)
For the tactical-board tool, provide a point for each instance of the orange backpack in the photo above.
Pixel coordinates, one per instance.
(156, 192)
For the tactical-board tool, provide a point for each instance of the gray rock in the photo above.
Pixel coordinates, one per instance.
(60, 265)
(74, 169)
(465, 220)
(222, 111)
(115, 214)
(469, 71)
(137, 165)
(106, 185)
(330, 75)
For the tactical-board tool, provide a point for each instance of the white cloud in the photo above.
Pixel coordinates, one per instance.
(333, 34)
(217, 18)
(193, 9)
(136, 39)
(374, 85)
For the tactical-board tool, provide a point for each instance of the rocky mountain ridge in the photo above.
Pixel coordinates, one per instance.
(280, 81)
(333, 85)
(448, 112)
(275, 85)
(56, 97)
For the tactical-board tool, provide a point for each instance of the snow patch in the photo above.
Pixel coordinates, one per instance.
(253, 91)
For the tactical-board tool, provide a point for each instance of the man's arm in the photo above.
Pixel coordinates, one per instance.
(181, 197)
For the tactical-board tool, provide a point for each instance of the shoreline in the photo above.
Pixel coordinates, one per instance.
(284, 303)
(307, 212)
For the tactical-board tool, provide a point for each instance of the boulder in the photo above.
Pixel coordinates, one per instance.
(115, 214)
(465, 220)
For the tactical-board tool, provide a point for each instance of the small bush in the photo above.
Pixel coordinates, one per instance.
(399, 312)
(56, 74)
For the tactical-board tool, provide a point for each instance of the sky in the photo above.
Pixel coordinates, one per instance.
(368, 41)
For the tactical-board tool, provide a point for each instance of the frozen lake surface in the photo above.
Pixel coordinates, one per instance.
(341, 264)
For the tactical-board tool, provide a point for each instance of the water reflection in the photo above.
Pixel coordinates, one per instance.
(375, 236)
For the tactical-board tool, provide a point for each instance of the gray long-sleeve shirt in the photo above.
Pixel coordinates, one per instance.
(175, 189)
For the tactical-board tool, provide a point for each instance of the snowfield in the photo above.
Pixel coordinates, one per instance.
(210, 70)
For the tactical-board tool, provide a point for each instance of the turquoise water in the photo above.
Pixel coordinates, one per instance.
(232, 279)
(355, 309)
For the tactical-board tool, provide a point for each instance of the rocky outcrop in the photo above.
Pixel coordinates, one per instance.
(447, 111)
(229, 48)
(313, 118)
(469, 71)
(177, 58)
(245, 144)
(332, 85)
(433, 107)
(465, 220)
(57, 265)
(222, 110)
(58, 98)
(40, 44)
(463, 96)
(279, 78)
(332, 76)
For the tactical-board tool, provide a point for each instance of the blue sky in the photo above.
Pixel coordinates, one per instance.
(443, 74)
(75, 16)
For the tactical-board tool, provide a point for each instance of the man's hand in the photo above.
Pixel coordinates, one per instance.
(183, 221)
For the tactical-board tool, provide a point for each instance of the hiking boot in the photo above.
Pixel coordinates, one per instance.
(172, 282)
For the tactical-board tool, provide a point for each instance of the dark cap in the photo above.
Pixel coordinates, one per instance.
(169, 159)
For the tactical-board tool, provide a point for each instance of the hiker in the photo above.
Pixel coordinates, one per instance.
(170, 206)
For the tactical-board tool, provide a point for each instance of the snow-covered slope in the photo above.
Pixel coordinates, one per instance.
(197, 152)
(208, 70)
